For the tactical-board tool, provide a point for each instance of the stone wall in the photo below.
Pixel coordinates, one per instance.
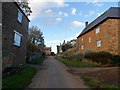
(108, 35)
(13, 55)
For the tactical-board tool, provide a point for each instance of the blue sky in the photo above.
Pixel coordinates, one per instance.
(62, 20)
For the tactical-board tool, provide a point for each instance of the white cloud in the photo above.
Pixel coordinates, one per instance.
(49, 11)
(77, 23)
(54, 42)
(60, 13)
(66, 5)
(65, 14)
(73, 11)
(38, 7)
(97, 3)
(58, 19)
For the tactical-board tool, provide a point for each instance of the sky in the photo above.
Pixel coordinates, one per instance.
(60, 20)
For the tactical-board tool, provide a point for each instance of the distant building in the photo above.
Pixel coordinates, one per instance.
(14, 34)
(103, 34)
(59, 48)
(71, 45)
(47, 50)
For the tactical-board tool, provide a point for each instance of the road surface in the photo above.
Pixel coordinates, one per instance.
(53, 74)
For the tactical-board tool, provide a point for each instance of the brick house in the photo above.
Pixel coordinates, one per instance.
(14, 34)
(103, 34)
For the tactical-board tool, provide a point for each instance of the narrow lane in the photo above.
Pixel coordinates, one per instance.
(53, 74)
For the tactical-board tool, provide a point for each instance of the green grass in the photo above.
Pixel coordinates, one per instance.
(20, 79)
(38, 60)
(74, 63)
(94, 83)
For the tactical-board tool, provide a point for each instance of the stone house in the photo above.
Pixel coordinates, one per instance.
(47, 50)
(103, 34)
(14, 34)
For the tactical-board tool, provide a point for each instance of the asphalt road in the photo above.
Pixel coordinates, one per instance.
(53, 74)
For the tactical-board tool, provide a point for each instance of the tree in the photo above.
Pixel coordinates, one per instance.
(24, 5)
(35, 36)
(66, 47)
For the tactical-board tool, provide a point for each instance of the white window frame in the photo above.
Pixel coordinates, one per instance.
(17, 38)
(99, 43)
(82, 47)
(20, 15)
(97, 30)
(89, 39)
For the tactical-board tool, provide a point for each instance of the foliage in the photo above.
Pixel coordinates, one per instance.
(35, 36)
(25, 7)
(66, 47)
(52, 53)
(38, 60)
(74, 63)
(116, 60)
(99, 57)
(35, 45)
(73, 55)
(77, 56)
(20, 79)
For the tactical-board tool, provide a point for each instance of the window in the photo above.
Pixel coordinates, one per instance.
(82, 47)
(20, 16)
(89, 39)
(99, 43)
(17, 38)
(82, 39)
(97, 30)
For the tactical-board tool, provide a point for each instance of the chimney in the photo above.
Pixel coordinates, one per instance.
(86, 24)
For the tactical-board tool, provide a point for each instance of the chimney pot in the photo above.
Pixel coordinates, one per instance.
(86, 24)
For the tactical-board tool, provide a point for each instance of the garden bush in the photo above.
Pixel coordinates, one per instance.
(116, 60)
(77, 56)
(100, 57)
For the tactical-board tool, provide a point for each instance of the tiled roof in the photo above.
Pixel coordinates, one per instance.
(110, 13)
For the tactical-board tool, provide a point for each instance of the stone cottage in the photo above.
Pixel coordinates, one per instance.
(103, 34)
(14, 34)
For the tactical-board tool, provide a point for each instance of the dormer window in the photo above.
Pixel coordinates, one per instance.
(20, 16)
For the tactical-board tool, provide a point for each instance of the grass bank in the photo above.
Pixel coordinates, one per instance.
(74, 63)
(95, 83)
(20, 79)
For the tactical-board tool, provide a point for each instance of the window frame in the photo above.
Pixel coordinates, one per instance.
(82, 47)
(89, 39)
(99, 43)
(97, 30)
(17, 38)
(20, 16)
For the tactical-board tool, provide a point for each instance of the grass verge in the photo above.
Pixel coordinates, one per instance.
(20, 79)
(74, 63)
(38, 60)
(94, 83)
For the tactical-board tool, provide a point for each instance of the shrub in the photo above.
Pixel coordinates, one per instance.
(77, 56)
(116, 60)
(99, 57)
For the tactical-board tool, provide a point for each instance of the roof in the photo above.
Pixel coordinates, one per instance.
(110, 13)
(22, 11)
